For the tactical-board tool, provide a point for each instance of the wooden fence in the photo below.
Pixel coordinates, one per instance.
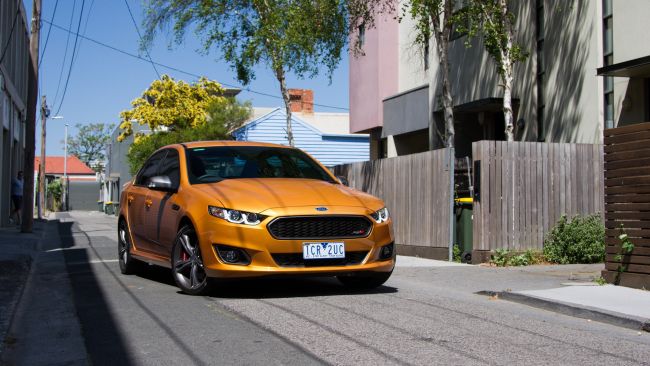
(522, 189)
(416, 191)
(627, 203)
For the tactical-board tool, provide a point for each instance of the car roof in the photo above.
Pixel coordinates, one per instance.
(196, 144)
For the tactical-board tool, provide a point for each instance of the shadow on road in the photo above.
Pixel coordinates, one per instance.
(103, 337)
(267, 288)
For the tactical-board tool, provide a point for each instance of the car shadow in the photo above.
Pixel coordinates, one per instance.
(266, 288)
(269, 288)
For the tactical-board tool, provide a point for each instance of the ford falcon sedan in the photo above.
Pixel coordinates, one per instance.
(229, 209)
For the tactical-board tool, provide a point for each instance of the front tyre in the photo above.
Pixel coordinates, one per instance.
(128, 265)
(365, 280)
(187, 264)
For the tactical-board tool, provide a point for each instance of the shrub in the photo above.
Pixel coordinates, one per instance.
(580, 240)
(55, 190)
(505, 257)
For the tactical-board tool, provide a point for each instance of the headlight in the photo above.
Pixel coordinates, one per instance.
(236, 216)
(381, 215)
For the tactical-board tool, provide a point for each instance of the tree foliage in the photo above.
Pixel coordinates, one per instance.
(169, 104)
(222, 116)
(89, 144)
(297, 36)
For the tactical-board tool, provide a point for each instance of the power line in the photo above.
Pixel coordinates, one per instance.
(74, 52)
(174, 68)
(65, 53)
(135, 24)
(13, 26)
(47, 38)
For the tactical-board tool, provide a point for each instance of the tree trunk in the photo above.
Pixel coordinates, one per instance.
(507, 104)
(447, 101)
(279, 73)
(442, 31)
(507, 65)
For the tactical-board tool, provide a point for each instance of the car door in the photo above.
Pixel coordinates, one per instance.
(160, 211)
(136, 200)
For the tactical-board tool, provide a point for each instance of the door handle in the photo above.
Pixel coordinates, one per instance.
(148, 202)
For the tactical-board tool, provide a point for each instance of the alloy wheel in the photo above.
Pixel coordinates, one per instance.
(187, 264)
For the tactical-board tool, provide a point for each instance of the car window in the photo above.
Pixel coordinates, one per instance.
(213, 164)
(170, 167)
(150, 168)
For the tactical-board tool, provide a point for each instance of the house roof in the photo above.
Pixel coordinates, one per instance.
(327, 123)
(54, 165)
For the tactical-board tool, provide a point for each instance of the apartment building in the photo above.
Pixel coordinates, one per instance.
(14, 63)
(588, 69)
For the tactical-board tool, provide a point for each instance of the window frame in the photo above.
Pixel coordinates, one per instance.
(142, 169)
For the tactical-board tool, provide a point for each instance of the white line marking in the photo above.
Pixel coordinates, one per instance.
(96, 261)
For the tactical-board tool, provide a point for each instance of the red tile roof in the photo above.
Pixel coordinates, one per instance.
(54, 165)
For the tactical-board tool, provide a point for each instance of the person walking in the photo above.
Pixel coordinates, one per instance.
(17, 196)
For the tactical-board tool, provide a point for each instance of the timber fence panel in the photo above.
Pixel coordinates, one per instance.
(525, 187)
(626, 183)
(415, 189)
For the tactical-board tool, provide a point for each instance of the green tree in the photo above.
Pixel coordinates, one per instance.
(297, 36)
(89, 144)
(223, 115)
(434, 20)
(495, 22)
(169, 104)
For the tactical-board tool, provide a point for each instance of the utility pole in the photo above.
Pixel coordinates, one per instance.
(45, 113)
(30, 125)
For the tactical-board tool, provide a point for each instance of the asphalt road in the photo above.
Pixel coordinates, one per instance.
(422, 316)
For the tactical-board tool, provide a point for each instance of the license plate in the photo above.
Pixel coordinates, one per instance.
(324, 250)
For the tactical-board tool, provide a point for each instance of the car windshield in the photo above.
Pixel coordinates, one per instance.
(213, 164)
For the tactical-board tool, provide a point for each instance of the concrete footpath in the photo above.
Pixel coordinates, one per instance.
(16, 256)
(621, 306)
(578, 295)
(42, 327)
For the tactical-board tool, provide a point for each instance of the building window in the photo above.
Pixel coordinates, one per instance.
(608, 59)
(541, 70)
(362, 34)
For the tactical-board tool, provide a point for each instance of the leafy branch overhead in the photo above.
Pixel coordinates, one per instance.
(171, 104)
(298, 36)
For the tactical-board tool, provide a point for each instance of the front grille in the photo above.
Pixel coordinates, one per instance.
(296, 260)
(320, 227)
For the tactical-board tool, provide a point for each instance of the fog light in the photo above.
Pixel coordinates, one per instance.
(386, 252)
(232, 255)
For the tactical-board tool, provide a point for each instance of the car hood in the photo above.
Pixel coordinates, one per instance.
(259, 194)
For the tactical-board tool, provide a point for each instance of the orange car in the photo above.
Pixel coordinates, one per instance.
(227, 209)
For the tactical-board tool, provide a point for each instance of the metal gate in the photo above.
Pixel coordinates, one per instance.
(83, 195)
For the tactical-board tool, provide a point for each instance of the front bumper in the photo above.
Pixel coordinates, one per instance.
(260, 245)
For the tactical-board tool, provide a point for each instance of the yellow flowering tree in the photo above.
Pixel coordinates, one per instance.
(171, 105)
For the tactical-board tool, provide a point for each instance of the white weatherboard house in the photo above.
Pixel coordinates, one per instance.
(325, 136)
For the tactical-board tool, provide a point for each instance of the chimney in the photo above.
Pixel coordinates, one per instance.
(301, 100)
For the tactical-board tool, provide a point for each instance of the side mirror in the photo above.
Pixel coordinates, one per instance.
(161, 183)
(343, 180)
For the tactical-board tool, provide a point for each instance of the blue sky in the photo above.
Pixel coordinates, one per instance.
(103, 82)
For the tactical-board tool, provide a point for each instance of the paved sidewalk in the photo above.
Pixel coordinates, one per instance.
(16, 257)
(43, 328)
(405, 261)
(616, 305)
